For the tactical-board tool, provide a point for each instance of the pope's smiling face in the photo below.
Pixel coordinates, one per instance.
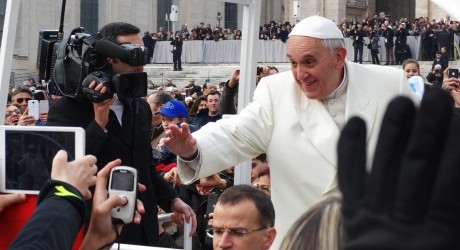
(316, 69)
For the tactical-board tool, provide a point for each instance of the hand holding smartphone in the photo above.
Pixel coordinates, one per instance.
(34, 109)
(453, 73)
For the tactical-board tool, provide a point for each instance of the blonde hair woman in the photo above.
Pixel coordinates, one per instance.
(320, 228)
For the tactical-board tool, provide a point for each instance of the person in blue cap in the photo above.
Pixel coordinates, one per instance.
(173, 112)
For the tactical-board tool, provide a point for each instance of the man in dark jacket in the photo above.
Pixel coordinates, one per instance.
(401, 43)
(388, 35)
(149, 43)
(177, 53)
(120, 128)
(210, 114)
(192, 88)
(358, 43)
(446, 40)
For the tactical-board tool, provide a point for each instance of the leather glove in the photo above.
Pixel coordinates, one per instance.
(411, 197)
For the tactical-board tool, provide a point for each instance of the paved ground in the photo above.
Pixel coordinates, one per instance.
(158, 73)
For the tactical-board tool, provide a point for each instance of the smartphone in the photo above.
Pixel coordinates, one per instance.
(44, 106)
(123, 182)
(34, 109)
(212, 200)
(453, 73)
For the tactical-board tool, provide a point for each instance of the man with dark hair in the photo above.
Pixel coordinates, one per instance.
(20, 97)
(244, 218)
(259, 165)
(149, 43)
(119, 128)
(211, 113)
(192, 88)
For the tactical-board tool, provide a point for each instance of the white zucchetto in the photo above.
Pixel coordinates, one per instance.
(317, 27)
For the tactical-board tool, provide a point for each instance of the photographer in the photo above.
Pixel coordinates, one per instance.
(374, 46)
(388, 34)
(120, 128)
(357, 35)
(436, 76)
(177, 52)
(401, 48)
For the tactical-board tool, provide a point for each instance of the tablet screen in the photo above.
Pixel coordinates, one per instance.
(29, 156)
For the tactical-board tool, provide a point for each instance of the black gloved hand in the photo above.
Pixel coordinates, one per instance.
(411, 198)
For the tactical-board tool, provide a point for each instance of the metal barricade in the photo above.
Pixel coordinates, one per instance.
(456, 47)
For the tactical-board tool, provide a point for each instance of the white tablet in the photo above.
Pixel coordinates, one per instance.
(27, 152)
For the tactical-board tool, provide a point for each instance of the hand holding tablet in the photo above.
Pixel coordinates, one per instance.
(26, 154)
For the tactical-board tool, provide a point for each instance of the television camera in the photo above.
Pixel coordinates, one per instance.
(70, 64)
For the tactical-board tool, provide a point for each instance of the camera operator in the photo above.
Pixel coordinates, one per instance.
(120, 128)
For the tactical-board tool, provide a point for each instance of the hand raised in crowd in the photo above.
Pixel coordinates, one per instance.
(101, 232)
(450, 83)
(180, 141)
(180, 208)
(410, 198)
(7, 200)
(79, 173)
(101, 110)
(234, 79)
(213, 181)
(194, 96)
(25, 119)
(264, 71)
(172, 176)
(455, 93)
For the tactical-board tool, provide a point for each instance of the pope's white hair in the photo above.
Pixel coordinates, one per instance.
(333, 44)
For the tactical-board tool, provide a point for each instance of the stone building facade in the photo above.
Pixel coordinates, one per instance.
(148, 15)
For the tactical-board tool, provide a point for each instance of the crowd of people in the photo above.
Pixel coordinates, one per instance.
(185, 152)
(434, 34)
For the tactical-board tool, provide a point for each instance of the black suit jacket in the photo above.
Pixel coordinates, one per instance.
(130, 143)
(389, 35)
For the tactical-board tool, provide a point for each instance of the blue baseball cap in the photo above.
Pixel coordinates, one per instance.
(173, 109)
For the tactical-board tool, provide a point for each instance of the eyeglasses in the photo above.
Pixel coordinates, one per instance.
(233, 232)
(10, 112)
(20, 100)
(265, 188)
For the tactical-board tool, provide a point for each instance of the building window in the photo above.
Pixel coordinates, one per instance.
(163, 9)
(231, 16)
(89, 15)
